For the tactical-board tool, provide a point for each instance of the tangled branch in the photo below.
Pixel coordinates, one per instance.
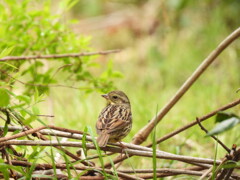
(57, 56)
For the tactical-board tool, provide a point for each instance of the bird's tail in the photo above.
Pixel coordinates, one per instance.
(102, 139)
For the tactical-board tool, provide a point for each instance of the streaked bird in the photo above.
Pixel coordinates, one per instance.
(115, 120)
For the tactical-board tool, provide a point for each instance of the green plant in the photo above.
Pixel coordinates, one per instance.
(39, 31)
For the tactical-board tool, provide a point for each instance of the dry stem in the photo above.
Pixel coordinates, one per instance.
(207, 116)
(142, 135)
(215, 138)
(56, 56)
(64, 166)
(159, 154)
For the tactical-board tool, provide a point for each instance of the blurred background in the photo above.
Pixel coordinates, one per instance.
(162, 43)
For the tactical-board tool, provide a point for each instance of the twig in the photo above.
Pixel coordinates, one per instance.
(234, 155)
(36, 130)
(31, 131)
(170, 172)
(43, 85)
(63, 166)
(215, 138)
(205, 174)
(46, 131)
(73, 134)
(79, 136)
(162, 170)
(92, 178)
(223, 108)
(86, 163)
(44, 115)
(15, 152)
(21, 134)
(56, 56)
(13, 174)
(159, 154)
(142, 135)
(230, 105)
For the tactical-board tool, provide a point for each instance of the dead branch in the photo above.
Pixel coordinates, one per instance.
(158, 170)
(234, 156)
(205, 117)
(57, 56)
(12, 172)
(71, 134)
(159, 154)
(64, 166)
(214, 137)
(21, 134)
(43, 85)
(142, 135)
(171, 172)
(36, 130)
(31, 131)
(223, 108)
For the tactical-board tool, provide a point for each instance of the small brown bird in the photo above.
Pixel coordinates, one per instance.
(115, 120)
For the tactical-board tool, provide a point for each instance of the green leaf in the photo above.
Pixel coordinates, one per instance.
(90, 131)
(36, 95)
(35, 110)
(53, 162)
(222, 116)
(224, 126)
(117, 74)
(6, 51)
(84, 141)
(24, 98)
(30, 119)
(231, 164)
(10, 65)
(4, 98)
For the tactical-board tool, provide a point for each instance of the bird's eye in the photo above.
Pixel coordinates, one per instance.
(115, 97)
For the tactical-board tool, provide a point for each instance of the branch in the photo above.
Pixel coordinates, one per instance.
(68, 133)
(161, 170)
(21, 134)
(57, 56)
(36, 131)
(44, 85)
(64, 166)
(159, 154)
(223, 108)
(31, 131)
(234, 156)
(171, 172)
(215, 138)
(142, 135)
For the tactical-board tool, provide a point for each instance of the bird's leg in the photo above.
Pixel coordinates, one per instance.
(123, 148)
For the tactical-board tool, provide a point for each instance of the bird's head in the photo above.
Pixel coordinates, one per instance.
(116, 98)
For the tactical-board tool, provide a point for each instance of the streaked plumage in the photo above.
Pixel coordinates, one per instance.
(115, 120)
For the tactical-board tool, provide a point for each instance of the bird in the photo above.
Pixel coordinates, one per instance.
(115, 120)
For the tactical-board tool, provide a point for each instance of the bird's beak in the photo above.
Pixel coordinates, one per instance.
(105, 96)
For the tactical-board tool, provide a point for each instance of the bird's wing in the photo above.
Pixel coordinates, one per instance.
(112, 118)
(116, 125)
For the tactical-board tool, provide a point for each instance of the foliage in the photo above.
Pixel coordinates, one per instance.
(31, 28)
(155, 64)
(38, 31)
(225, 122)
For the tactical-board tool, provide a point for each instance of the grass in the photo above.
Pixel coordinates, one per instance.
(154, 67)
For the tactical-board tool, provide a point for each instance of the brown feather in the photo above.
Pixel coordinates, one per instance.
(115, 120)
(102, 139)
